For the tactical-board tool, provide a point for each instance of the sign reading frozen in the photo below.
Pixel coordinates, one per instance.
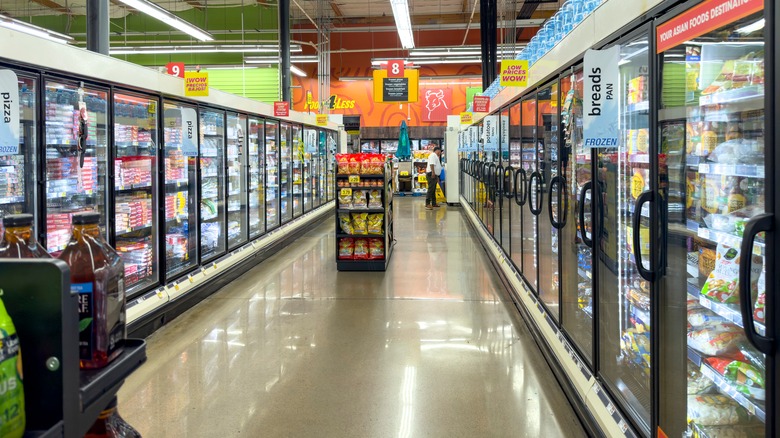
(9, 118)
(600, 121)
(490, 133)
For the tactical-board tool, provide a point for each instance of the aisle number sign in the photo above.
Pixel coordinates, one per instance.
(322, 120)
(175, 69)
(395, 68)
(189, 129)
(196, 83)
(490, 133)
(514, 73)
(354, 179)
(600, 118)
(9, 119)
(466, 118)
(396, 89)
(703, 18)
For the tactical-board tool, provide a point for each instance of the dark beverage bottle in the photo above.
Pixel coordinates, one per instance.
(97, 276)
(111, 425)
(18, 239)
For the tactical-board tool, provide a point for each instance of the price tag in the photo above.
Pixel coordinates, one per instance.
(422, 178)
(354, 179)
(346, 192)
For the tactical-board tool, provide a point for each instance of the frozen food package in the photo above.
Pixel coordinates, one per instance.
(715, 410)
(759, 290)
(698, 383)
(359, 199)
(360, 223)
(345, 200)
(361, 249)
(738, 151)
(346, 248)
(742, 376)
(639, 298)
(699, 316)
(376, 249)
(375, 223)
(722, 284)
(375, 198)
(346, 224)
(716, 339)
(733, 431)
(706, 261)
(748, 353)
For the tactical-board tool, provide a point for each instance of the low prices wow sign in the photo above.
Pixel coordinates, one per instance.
(514, 73)
(196, 84)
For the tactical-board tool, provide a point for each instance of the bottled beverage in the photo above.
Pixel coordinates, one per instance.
(11, 388)
(111, 425)
(18, 239)
(97, 276)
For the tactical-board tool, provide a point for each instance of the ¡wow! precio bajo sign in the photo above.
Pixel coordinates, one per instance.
(196, 84)
(514, 73)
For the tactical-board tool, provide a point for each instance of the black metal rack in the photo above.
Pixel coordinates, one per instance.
(351, 182)
(60, 399)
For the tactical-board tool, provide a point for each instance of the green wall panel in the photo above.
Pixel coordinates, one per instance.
(257, 83)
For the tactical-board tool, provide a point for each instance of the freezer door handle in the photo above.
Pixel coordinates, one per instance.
(588, 186)
(509, 180)
(499, 183)
(762, 222)
(521, 192)
(645, 197)
(539, 195)
(559, 184)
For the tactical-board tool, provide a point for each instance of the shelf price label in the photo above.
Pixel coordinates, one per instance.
(354, 179)
(346, 192)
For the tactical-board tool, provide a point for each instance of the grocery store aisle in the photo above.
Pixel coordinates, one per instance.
(296, 349)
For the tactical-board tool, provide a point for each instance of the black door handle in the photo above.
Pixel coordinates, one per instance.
(521, 191)
(588, 186)
(539, 195)
(500, 183)
(762, 222)
(644, 198)
(509, 180)
(560, 184)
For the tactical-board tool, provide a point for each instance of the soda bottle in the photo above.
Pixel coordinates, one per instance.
(111, 425)
(18, 239)
(97, 276)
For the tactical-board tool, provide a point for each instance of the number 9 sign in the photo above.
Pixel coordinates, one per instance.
(176, 69)
(395, 68)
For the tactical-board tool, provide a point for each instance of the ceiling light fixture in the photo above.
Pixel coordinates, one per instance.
(436, 60)
(460, 50)
(168, 18)
(297, 72)
(403, 23)
(301, 59)
(223, 48)
(31, 29)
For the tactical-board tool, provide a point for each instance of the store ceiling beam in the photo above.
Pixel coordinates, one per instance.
(533, 22)
(529, 7)
(336, 9)
(53, 6)
(195, 4)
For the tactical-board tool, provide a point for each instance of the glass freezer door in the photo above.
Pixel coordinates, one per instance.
(551, 187)
(272, 168)
(309, 167)
(285, 172)
(330, 164)
(212, 184)
(255, 164)
(298, 177)
(181, 196)
(75, 181)
(136, 189)
(237, 231)
(713, 183)
(519, 182)
(18, 188)
(624, 296)
(529, 240)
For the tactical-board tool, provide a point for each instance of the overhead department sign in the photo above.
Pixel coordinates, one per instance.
(9, 116)
(600, 121)
(490, 133)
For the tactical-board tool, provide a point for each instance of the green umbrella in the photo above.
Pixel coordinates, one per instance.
(404, 150)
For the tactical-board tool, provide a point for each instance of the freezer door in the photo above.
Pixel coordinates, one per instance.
(519, 181)
(136, 189)
(623, 295)
(255, 165)
(272, 177)
(76, 180)
(507, 184)
(713, 186)
(532, 191)
(212, 185)
(237, 230)
(309, 168)
(286, 172)
(298, 173)
(550, 188)
(180, 189)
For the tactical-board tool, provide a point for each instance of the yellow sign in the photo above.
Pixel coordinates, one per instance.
(403, 90)
(354, 179)
(196, 84)
(333, 103)
(346, 192)
(466, 118)
(514, 73)
(322, 120)
(421, 178)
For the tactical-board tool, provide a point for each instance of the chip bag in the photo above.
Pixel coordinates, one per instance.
(361, 249)
(359, 199)
(360, 223)
(375, 199)
(376, 249)
(343, 164)
(375, 222)
(346, 249)
(346, 224)
(722, 284)
(353, 164)
(345, 201)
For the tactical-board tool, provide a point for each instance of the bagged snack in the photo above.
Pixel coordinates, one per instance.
(360, 223)
(361, 249)
(715, 410)
(376, 249)
(346, 224)
(343, 164)
(698, 383)
(722, 284)
(742, 376)
(345, 201)
(359, 199)
(716, 339)
(749, 354)
(353, 164)
(375, 199)
(375, 222)
(346, 249)
(699, 316)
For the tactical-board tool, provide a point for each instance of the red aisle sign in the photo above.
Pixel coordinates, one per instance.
(704, 18)
(176, 69)
(481, 104)
(395, 68)
(282, 109)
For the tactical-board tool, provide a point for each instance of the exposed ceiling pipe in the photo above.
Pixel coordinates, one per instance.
(468, 26)
(319, 31)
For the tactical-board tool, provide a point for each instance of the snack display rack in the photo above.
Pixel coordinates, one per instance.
(364, 217)
(419, 165)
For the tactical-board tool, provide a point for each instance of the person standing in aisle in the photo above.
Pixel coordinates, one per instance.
(432, 174)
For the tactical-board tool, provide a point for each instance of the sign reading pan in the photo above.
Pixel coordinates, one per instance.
(396, 90)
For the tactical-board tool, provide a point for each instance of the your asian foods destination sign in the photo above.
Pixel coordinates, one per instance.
(600, 118)
(703, 18)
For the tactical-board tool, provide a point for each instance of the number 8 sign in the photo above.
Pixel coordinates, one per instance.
(395, 68)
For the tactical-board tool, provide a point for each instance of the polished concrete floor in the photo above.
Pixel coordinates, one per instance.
(430, 348)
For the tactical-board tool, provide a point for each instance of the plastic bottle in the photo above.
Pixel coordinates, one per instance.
(97, 275)
(111, 425)
(12, 414)
(18, 239)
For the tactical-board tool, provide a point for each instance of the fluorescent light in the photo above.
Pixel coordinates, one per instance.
(296, 71)
(168, 18)
(437, 60)
(302, 59)
(221, 48)
(403, 22)
(31, 29)
(752, 27)
(460, 50)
